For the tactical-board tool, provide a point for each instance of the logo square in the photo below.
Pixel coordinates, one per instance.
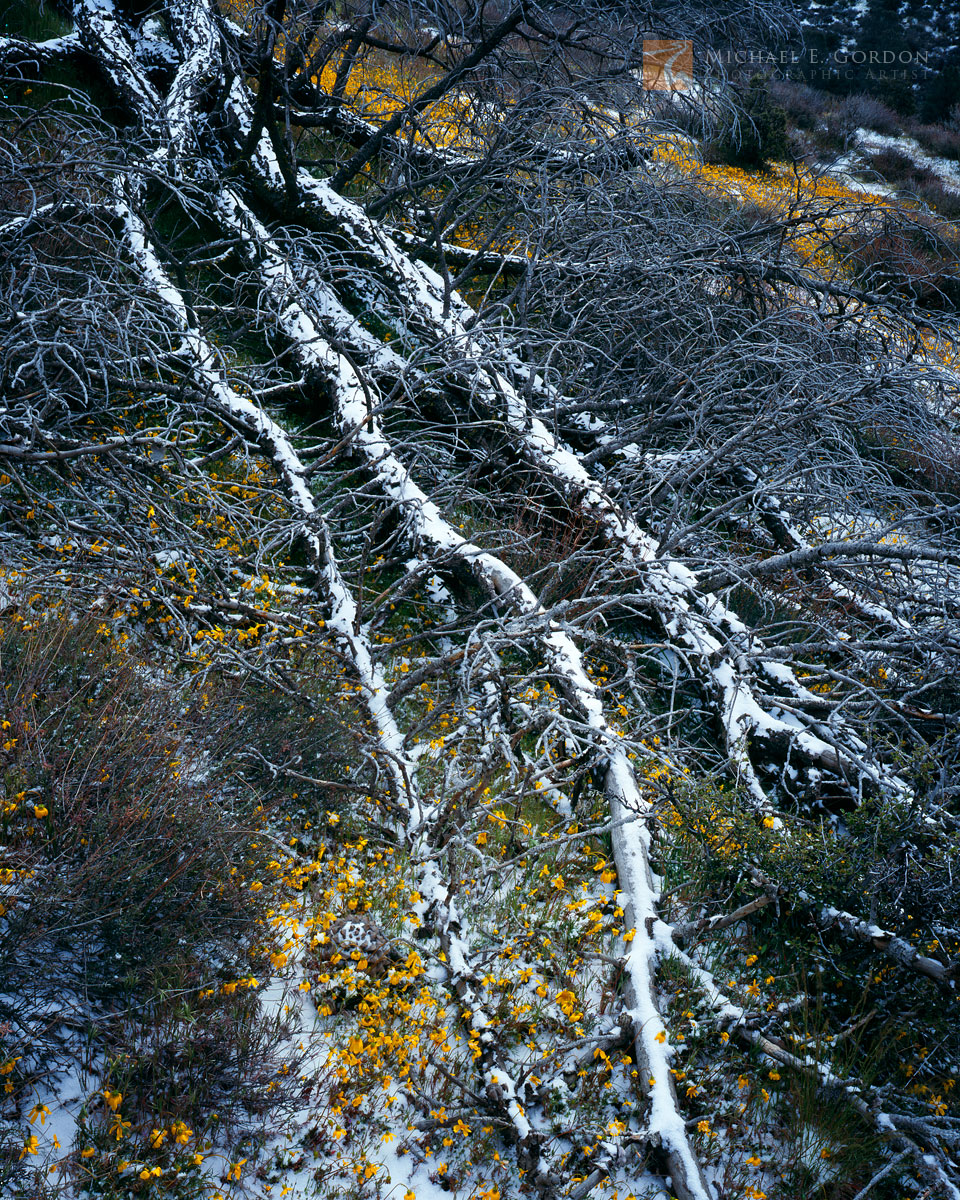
(667, 65)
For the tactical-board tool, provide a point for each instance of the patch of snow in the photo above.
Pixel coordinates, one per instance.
(947, 170)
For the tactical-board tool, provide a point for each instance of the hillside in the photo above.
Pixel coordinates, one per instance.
(901, 51)
(479, 611)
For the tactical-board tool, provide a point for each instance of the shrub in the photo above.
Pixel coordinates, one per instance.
(866, 112)
(944, 200)
(804, 105)
(815, 989)
(841, 118)
(126, 852)
(108, 816)
(897, 167)
(939, 140)
(918, 262)
(760, 134)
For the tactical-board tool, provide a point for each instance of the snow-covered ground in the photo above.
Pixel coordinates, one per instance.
(947, 170)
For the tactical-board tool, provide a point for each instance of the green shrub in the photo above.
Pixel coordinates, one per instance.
(760, 135)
